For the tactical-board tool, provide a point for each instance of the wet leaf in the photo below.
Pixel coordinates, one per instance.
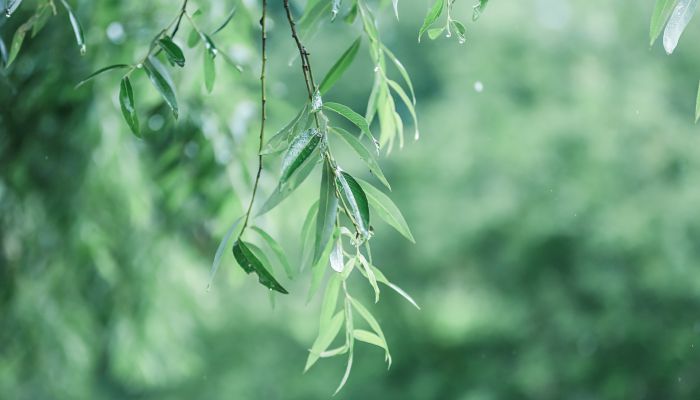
(363, 153)
(662, 10)
(347, 113)
(126, 102)
(279, 141)
(250, 263)
(160, 78)
(277, 250)
(355, 199)
(680, 17)
(77, 28)
(327, 210)
(172, 51)
(209, 71)
(101, 71)
(299, 151)
(431, 17)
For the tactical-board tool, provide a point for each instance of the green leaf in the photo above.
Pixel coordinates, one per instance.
(172, 51)
(42, 17)
(381, 278)
(209, 44)
(193, 38)
(324, 339)
(3, 53)
(250, 263)
(283, 190)
(479, 9)
(220, 251)
(386, 209)
(409, 105)
(364, 154)
(347, 113)
(299, 151)
(355, 199)
(279, 141)
(160, 78)
(697, 106)
(369, 274)
(431, 17)
(372, 322)
(77, 28)
(101, 71)
(327, 210)
(209, 71)
(434, 33)
(319, 268)
(226, 21)
(662, 10)
(402, 71)
(680, 17)
(459, 27)
(277, 250)
(16, 44)
(330, 301)
(340, 66)
(126, 101)
(307, 240)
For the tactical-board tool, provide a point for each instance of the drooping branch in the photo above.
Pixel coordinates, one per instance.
(263, 113)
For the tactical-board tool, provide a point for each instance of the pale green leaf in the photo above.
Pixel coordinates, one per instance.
(386, 209)
(324, 339)
(340, 66)
(662, 10)
(431, 17)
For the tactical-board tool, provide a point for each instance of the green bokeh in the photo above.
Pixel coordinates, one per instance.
(555, 212)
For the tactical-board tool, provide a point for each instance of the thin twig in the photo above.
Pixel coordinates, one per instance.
(263, 114)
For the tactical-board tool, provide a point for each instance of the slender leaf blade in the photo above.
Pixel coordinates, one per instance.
(172, 51)
(126, 102)
(160, 78)
(250, 263)
(364, 154)
(77, 27)
(659, 17)
(327, 210)
(340, 66)
(100, 72)
(220, 250)
(431, 17)
(386, 209)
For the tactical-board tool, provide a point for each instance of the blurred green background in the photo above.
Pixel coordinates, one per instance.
(555, 212)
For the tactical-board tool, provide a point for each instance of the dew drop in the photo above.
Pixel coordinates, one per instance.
(462, 39)
(8, 14)
(376, 69)
(115, 33)
(83, 49)
(448, 34)
(478, 86)
(316, 102)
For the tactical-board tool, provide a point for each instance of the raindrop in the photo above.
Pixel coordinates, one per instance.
(83, 49)
(376, 69)
(462, 39)
(115, 32)
(316, 102)
(478, 86)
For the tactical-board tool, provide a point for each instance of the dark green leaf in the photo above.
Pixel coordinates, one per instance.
(160, 78)
(172, 51)
(662, 10)
(101, 71)
(77, 28)
(364, 154)
(340, 66)
(357, 119)
(327, 210)
(250, 263)
(355, 199)
(299, 150)
(431, 17)
(126, 101)
(386, 209)
(226, 21)
(209, 71)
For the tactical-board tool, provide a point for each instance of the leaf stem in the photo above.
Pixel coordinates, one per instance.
(263, 113)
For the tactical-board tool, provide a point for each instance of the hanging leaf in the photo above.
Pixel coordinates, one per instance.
(347, 113)
(278, 142)
(327, 210)
(386, 209)
(479, 9)
(364, 154)
(407, 102)
(277, 250)
(193, 38)
(228, 19)
(250, 263)
(209, 71)
(336, 257)
(285, 189)
(42, 17)
(662, 10)
(381, 278)
(681, 16)
(324, 340)
(697, 106)
(77, 28)
(299, 151)
(16, 44)
(402, 70)
(126, 101)
(369, 274)
(307, 236)
(319, 268)
(220, 251)
(356, 200)
(172, 51)
(330, 301)
(101, 71)
(431, 17)
(395, 3)
(372, 322)
(160, 78)
(340, 66)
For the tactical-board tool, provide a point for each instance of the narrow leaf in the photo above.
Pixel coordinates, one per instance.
(172, 51)
(386, 209)
(299, 150)
(319, 268)
(330, 301)
(364, 154)
(77, 28)
(340, 66)
(479, 9)
(101, 71)
(278, 142)
(283, 190)
(324, 339)
(662, 10)
(250, 263)
(126, 101)
(220, 251)
(356, 200)
(369, 274)
(16, 44)
(697, 106)
(209, 71)
(381, 278)
(327, 210)
(347, 113)
(277, 250)
(431, 17)
(160, 78)
(228, 19)
(681, 16)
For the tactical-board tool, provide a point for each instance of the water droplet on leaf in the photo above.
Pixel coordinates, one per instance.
(478, 86)
(83, 50)
(316, 102)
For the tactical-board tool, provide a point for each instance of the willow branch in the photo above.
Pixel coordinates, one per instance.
(263, 113)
